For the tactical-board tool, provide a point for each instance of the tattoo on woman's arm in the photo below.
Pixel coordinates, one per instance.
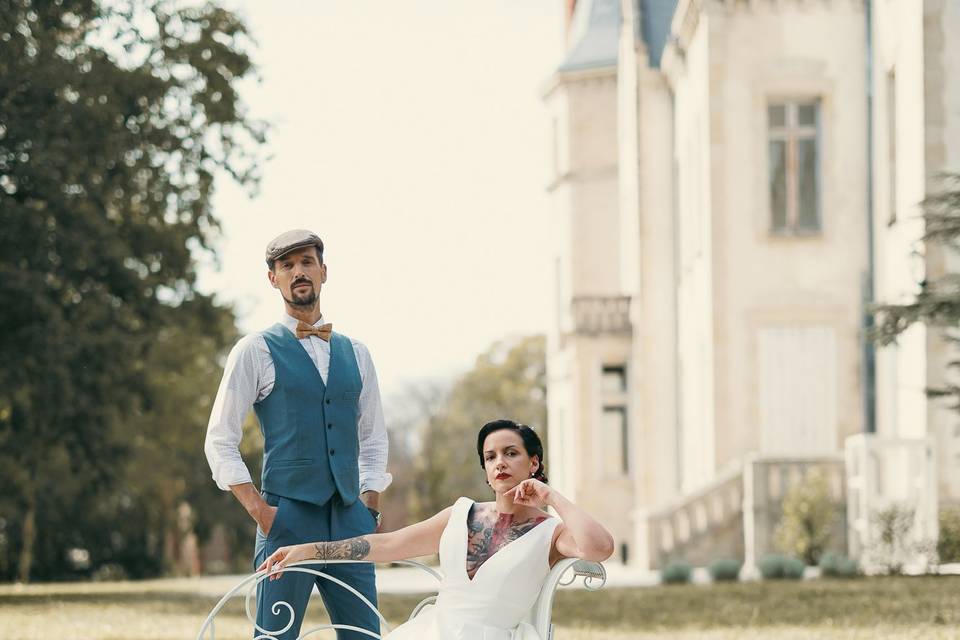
(349, 549)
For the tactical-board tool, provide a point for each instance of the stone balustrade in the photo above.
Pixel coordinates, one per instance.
(735, 515)
(593, 315)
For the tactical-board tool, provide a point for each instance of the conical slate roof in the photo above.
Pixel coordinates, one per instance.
(595, 32)
(594, 35)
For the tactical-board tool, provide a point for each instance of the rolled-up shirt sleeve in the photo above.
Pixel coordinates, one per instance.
(238, 391)
(371, 429)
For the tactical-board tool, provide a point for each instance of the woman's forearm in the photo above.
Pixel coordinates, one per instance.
(416, 540)
(592, 539)
(374, 547)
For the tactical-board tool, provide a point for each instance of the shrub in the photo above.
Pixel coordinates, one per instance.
(837, 565)
(110, 572)
(771, 566)
(677, 572)
(793, 569)
(775, 566)
(809, 512)
(828, 564)
(948, 545)
(725, 570)
(895, 547)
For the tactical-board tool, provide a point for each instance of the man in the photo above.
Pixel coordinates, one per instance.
(316, 395)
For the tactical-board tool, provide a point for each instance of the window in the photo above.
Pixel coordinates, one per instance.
(618, 446)
(613, 421)
(794, 176)
(555, 146)
(892, 145)
(558, 293)
(614, 379)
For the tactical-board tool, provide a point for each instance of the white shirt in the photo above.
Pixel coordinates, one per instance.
(248, 377)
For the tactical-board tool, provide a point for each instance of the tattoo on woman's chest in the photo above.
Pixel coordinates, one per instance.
(488, 532)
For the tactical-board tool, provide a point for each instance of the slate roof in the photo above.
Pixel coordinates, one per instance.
(595, 32)
(654, 27)
(594, 35)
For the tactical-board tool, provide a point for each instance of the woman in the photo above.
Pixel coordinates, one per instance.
(494, 555)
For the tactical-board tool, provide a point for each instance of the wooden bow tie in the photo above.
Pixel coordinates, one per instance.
(323, 331)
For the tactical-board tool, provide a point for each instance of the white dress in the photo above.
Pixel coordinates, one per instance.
(501, 593)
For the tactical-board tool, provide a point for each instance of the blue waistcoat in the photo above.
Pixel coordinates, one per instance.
(310, 442)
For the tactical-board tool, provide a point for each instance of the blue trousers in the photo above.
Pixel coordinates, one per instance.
(297, 522)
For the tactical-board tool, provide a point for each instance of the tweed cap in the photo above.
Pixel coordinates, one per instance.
(290, 240)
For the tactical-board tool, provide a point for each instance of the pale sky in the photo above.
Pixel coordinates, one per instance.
(411, 136)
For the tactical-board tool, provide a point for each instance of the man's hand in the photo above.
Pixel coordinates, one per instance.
(266, 517)
(261, 512)
(372, 501)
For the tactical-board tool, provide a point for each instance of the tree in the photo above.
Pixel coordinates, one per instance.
(411, 412)
(507, 381)
(114, 120)
(166, 467)
(938, 302)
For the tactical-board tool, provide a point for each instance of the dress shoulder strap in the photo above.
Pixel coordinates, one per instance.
(551, 525)
(461, 506)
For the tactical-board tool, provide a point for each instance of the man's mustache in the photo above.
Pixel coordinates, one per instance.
(301, 281)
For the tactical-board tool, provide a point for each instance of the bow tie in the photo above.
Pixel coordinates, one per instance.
(323, 331)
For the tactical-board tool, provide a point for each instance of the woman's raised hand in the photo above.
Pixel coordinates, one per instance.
(532, 493)
(284, 556)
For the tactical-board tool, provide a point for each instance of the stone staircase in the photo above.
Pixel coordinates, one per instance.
(735, 515)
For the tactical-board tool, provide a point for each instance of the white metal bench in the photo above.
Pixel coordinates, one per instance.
(564, 573)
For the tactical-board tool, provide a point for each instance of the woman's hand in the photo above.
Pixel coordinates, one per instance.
(283, 557)
(532, 493)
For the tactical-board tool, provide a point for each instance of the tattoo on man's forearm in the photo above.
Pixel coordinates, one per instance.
(350, 549)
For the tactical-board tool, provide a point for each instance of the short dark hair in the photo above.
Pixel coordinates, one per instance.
(319, 250)
(531, 442)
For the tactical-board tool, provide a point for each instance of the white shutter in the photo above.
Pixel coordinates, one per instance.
(797, 389)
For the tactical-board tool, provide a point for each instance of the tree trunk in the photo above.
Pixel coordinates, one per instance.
(27, 536)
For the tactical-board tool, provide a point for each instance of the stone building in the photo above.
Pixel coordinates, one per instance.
(734, 182)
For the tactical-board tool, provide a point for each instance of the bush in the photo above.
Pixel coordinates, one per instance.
(725, 570)
(111, 572)
(837, 565)
(948, 545)
(677, 572)
(779, 567)
(771, 566)
(793, 569)
(809, 512)
(896, 546)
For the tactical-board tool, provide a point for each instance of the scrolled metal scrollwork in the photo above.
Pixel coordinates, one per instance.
(207, 630)
(565, 573)
(593, 573)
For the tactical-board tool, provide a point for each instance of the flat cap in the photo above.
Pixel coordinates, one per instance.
(290, 240)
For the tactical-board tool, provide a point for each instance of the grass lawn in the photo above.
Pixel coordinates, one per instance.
(926, 607)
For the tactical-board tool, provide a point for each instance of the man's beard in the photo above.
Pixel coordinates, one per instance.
(304, 300)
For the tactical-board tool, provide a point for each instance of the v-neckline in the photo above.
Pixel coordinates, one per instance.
(324, 383)
(466, 544)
